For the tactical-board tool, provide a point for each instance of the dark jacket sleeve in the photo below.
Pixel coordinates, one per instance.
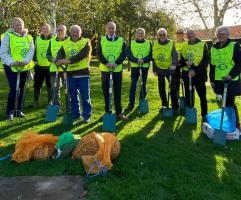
(49, 54)
(130, 55)
(236, 70)
(202, 67)
(122, 56)
(174, 56)
(212, 73)
(60, 54)
(35, 52)
(149, 57)
(100, 56)
(82, 54)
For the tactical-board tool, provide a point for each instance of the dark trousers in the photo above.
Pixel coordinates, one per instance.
(200, 87)
(12, 81)
(178, 77)
(117, 85)
(162, 74)
(135, 74)
(40, 75)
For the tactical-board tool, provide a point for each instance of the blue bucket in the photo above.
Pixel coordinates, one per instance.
(191, 115)
(182, 102)
(109, 121)
(167, 113)
(143, 106)
(52, 113)
(219, 137)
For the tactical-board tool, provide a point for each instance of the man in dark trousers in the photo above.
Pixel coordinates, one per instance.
(226, 64)
(139, 53)
(194, 62)
(165, 60)
(111, 53)
(42, 65)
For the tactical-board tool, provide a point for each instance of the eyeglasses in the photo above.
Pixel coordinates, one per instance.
(180, 33)
(59, 30)
(162, 35)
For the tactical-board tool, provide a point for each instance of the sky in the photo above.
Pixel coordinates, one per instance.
(190, 21)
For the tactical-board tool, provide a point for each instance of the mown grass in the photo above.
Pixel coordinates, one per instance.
(159, 159)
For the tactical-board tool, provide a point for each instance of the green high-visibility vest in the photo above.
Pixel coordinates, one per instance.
(72, 48)
(19, 47)
(54, 47)
(140, 50)
(193, 52)
(41, 51)
(111, 50)
(179, 46)
(1, 65)
(222, 59)
(162, 54)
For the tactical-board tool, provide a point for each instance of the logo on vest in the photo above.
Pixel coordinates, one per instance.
(190, 56)
(222, 66)
(73, 52)
(162, 57)
(24, 52)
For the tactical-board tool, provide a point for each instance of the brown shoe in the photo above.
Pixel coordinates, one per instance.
(121, 117)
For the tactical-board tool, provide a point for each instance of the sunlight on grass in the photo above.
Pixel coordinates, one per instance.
(220, 166)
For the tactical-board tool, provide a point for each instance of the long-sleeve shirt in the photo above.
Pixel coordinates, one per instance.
(174, 55)
(133, 59)
(236, 70)
(78, 57)
(201, 69)
(101, 57)
(49, 53)
(5, 52)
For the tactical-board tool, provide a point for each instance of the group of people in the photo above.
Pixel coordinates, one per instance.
(180, 59)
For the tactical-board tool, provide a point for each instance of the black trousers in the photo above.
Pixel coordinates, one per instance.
(200, 87)
(40, 75)
(117, 85)
(12, 81)
(162, 74)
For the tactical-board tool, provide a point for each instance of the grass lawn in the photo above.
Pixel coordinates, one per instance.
(159, 159)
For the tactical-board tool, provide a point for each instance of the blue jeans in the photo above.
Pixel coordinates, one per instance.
(80, 86)
(134, 79)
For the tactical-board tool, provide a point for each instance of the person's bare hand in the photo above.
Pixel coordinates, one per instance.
(191, 73)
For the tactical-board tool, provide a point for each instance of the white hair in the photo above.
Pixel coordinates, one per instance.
(111, 23)
(222, 28)
(63, 27)
(141, 29)
(161, 29)
(17, 19)
(75, 27)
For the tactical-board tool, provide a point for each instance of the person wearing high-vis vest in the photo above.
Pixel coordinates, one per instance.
(76, 54)
(226, 65)
(1, 37)
(111, 52)
(139, 53)
(194, 62)
(42, 64)
(165, 60)
(15, 56)
(54, 45)
(180, 41)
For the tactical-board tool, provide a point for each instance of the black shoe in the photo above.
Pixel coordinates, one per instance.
(204, 119)
(129, 108)
(19, 114)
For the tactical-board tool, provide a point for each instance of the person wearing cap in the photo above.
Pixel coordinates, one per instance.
(111, 52)
(139, 53)
(165, 60)
(226, 66)
(194, 62)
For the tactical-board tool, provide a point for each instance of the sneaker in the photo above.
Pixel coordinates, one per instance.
(86, 121)
(161, 110)
(10, 117)
(121, 117)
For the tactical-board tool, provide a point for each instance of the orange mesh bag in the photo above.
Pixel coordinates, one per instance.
(34, 146)
(97, 161)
